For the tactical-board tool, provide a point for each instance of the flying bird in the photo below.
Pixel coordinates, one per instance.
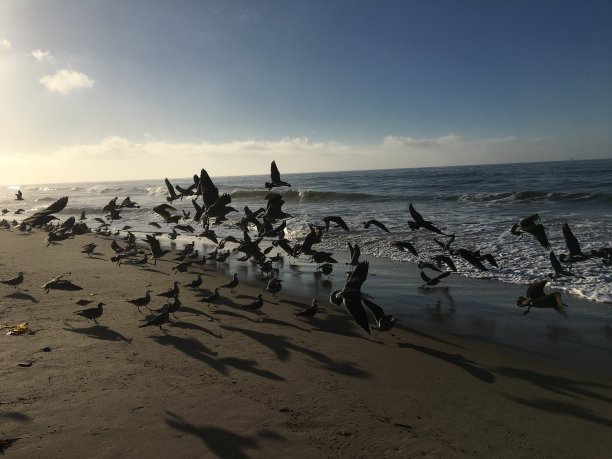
(385, 322)
(376, 223)
(275, 177)
(337, 220)
(430, 282)
(420, 222)
(351, 295)
(532, 225)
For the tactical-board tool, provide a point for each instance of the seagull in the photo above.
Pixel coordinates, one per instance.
(352, 297)
(19, 196)
(156, 250)
(420, 222)
(42, 217)
(89, 248)
(575, 253)
(532, 225)
(91, 313)
(84, 302)
(355, 253)
(211, 299)
(558, 268)
(274, 286)
(337, 220)
(310, 311)
(255, 305)
(172, 292)
(375, 223)
(231, 284)
(143, 301)
(14, 282)
(275, 177)
(537, 298)
(430, 282)
(159, 319)
(326, 268)
(195, 283)
(385, 322)
(405, 245)
(57, 283)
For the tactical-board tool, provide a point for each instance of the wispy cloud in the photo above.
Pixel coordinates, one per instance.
(65, 80)
(42, 55)
(5, 44)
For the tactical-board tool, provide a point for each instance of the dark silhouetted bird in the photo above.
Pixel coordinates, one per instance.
(231, 284)
(195, 283)
(172, 292)
(159, 319)
(337, 220)
(211, 299)
(310, 311)
(14, 282)
(430, 282)
(385, 322)
(376, 223)
(142, 301)
(533, 226)
(420, 222)
(275, 178)
(351, 295)
(91, 313)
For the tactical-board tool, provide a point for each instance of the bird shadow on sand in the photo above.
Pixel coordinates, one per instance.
(195, 312)
(282, 347)
(97, 258)
(21, 296)
(339, 325)
(223, 443)
(190, 326)
(557, 384)
(196, 350)
(299, 304)
(16, 416)
(414, 331)
(101, 332)
(568, 409)
(246, 297)
(455, 359)
(154, 270)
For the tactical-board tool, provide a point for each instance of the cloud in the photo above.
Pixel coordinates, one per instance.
(65, 80)
(42, 55)
(5, 44)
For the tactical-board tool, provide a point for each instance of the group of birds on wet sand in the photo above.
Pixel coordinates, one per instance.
(270, 223)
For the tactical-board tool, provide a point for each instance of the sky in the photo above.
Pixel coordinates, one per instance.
(115, 90)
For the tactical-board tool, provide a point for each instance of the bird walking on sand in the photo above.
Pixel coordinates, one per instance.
(195, 283)
(174, 291)
(232, 284)
(210, 299)
(256, 305)
(91, 313)
(89, 248)
(14, 282)
(142, 301)
(310, 311)
(159, 319)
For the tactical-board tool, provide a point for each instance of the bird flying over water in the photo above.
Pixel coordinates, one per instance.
(19, 196)
(375, 223)
(337, 220)
(275, 177)
(537, 298)
(532, 225)
(430, 282)
(385, 322)
(420, 222)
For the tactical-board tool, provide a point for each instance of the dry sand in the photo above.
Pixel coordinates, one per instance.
(223, 382)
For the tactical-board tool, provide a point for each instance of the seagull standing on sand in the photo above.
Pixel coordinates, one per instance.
(211, 299)
(92, 313)
(14, 282)
(232, 284)
(143, 301)
(310, 311)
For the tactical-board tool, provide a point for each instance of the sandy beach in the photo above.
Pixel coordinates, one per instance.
(220, 381)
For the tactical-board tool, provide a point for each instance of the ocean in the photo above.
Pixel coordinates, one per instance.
(479, 204)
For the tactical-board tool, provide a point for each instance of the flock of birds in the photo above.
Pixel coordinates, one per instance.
(269, 224)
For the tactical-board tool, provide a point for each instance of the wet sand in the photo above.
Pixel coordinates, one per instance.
(224, 382)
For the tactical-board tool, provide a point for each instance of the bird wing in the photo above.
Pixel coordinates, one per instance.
(376, 310)
(536, 289)
(210, 193)
(171, 191)
(54, 208)
(570, 240)
(414, 214)
(274, 173)
(425, 277)
(154, 244)
(380, 225)
(539, 233)
(355, 309)
(556, 264)
(443, 275)
(358, 276)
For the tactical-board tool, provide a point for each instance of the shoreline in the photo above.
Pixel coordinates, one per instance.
(244, 386)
